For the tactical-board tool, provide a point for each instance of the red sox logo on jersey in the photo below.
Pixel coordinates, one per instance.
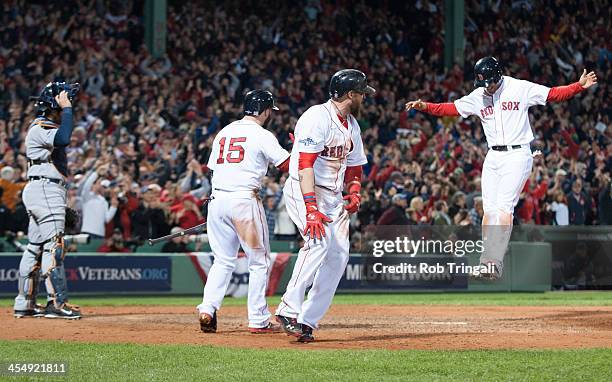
(334, 152)
(505, 106)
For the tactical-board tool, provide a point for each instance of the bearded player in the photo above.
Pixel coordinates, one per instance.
(326, 159)
(502, 104)
(240, 155)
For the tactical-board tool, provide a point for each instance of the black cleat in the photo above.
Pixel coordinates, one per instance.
(65, 311)
(289, 325)
(208, 323)
(306, 335)
(37, 311)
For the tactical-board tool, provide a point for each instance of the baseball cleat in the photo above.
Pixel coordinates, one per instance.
(289, 325)
(37, 311)
(65, 311)
(489, 272)
(270, 328)
(306, 335)
(208, 323)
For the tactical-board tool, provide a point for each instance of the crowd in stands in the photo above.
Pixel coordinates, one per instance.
(144, 125)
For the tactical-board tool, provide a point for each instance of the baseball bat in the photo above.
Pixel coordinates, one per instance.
(184, 232)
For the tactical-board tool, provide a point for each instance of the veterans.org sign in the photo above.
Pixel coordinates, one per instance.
(98, 274)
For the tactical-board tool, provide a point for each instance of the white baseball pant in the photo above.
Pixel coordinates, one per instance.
(320, 263)
(238, 219)
(504, 175)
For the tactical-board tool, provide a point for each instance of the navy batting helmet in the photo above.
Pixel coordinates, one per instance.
(46, 100)
(346, 80)
(487, 71)
(257, 101)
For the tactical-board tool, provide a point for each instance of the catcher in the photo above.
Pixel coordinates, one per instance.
(45, 200)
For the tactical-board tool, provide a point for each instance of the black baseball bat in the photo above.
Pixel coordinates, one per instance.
(184, 232)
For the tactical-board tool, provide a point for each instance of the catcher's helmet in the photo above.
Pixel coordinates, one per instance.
(346, 80)
(487, 71)
(46, 100)
(257, 101)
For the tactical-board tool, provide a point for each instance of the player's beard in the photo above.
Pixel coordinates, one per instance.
(356, 109)
(267, 121)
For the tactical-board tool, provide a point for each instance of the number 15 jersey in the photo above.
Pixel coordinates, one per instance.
(240, 155)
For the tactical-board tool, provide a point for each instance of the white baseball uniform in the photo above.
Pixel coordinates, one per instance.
(320, 263)
(241, 153)
(505, 121)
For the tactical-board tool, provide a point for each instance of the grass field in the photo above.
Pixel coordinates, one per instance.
(582, 298)
(101, 362)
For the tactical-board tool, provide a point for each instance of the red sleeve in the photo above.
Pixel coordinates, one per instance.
(562, 93)
(441, 109)
(352, 179)
(284, 167)
(307, 160)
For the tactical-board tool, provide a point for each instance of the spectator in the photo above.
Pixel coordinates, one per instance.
(559, 208)
(115, 243)
(149, 218)
(177, 244)
(605, 204)
(12, 187)
(457, 203)
(477, 212)
(270, 204)
(396, 213)
(578, 204)
(187, 212)
(96, 209)
(440, 215)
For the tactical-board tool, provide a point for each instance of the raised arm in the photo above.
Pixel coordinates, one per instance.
(62, 137)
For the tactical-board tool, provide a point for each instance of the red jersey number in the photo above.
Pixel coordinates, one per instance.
(235, 152)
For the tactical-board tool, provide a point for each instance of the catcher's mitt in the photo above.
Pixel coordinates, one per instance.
(72, 220)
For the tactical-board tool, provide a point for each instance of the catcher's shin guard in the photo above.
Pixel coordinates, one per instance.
(56, 274)
(29, 278)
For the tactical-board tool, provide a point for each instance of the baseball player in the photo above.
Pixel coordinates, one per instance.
(240, 155)
(326, 159)
(45, 200)
(502, 104)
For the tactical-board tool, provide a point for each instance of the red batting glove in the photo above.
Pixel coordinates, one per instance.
(315, 220)
(354, 202)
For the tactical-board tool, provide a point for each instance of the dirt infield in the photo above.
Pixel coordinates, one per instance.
(345, 326)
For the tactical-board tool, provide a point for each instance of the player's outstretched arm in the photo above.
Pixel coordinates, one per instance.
(562, 93)
(446, 109)
(315, 220)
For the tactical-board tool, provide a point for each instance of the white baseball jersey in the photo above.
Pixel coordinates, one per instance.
(320, 131)
(241, 153)
(504, 114)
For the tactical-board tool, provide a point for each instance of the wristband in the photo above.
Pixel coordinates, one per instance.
(310, 197)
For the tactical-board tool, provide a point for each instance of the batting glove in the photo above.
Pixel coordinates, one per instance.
(315, 220)
(354, 202)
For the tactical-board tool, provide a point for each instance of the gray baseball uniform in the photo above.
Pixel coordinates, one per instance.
(45, 200)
